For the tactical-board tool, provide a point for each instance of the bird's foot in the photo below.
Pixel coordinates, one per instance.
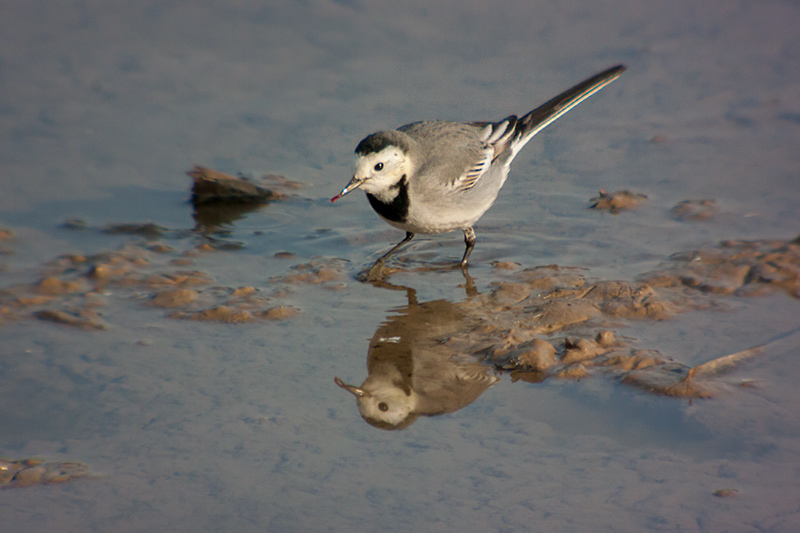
(377, 272)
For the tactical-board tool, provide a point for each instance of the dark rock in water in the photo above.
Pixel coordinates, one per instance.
(211, 186)
(220, 198)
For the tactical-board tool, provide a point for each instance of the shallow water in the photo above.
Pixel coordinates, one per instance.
(205, 426)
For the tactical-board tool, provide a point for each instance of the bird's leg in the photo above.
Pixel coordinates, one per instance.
(375, 272)
(469, 239)
(396, 247)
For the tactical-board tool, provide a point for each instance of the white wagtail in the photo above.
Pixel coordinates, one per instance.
(434, 176)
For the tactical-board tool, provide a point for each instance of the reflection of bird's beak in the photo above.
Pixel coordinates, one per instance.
(354, 184)
(355, 391)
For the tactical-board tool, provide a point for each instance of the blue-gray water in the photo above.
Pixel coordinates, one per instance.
(205, 427)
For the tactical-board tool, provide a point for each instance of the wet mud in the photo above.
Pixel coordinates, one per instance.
(75, 289)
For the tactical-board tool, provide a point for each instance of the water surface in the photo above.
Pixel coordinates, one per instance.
(205, 426)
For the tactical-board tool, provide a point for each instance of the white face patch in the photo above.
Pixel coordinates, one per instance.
(388, 404)
(381, 170)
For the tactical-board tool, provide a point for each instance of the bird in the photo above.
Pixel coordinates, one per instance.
(435, 176)
(412, 373)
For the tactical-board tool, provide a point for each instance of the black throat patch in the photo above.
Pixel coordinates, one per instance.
(397, 209)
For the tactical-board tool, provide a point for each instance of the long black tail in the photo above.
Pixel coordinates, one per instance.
(511, 133)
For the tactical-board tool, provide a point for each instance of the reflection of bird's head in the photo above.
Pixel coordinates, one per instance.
(413, 373)
(383, 404)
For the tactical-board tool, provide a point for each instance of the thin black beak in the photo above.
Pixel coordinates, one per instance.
(354, 184)
(355, 391)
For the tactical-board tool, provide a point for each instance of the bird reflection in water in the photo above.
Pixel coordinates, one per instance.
(413, 371)
(437, 357)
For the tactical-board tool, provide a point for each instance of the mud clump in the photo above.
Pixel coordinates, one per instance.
(556, 298)
(149, 231)
(312, 273)
(55, 286)
(30, 472)
(580, 350)
(218, 314)
(735, 267)
(537, 355)
(511, 293)
(231, 315)
(174, 298)
(616, 202)
(726, 493)
(244, 292)
(82, 319)
(505, 265)
(626, 300)
(694, 210)
(557, 315)
(279, 313)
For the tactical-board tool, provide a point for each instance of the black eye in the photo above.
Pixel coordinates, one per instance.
(378, 167)
(383, 407)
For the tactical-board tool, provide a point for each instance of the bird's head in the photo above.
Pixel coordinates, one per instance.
(382, 160)
(384, 405)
